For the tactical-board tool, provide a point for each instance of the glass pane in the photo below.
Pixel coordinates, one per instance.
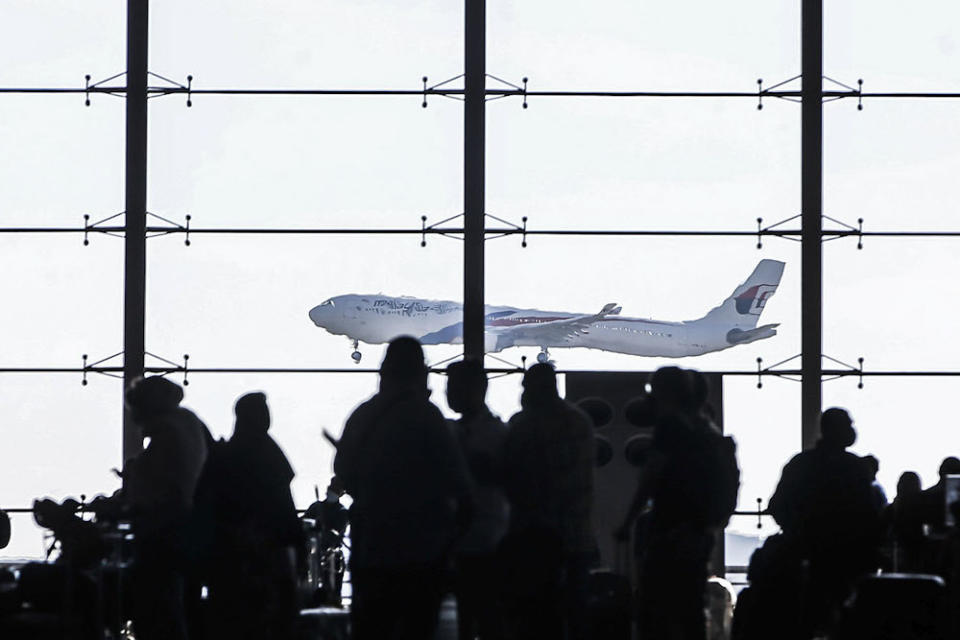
(307, 44)
(62, 160)
(355, 162)
(56, 43)
(244, 301)
(890, 48)
(643, 164)
(889, 303)
(64, 299)
(618, 44)
(892, 164)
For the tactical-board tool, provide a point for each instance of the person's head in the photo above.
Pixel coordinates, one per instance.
(253, 415)
(539, 385)
(908, 484)
(151, 398)
(403, 364)
(950, 466)
(335, 489)
(872, 465)
(466, 385)
(700, 390)
(836, 428)
(672, 389)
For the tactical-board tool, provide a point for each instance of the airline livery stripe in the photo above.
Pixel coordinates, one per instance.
(512, 322)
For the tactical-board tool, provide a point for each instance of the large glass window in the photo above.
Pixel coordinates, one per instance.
(366, 162)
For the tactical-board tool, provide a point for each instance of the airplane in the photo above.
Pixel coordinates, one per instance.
(377, 319)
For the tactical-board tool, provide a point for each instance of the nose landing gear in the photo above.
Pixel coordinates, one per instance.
(544, 356)
(356, 355)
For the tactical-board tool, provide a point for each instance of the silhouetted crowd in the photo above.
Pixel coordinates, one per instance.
(499, 515)
(847, 564)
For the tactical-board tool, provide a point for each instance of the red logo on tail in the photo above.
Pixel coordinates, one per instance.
(752, 301)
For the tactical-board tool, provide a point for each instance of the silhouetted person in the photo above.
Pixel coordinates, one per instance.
(691, 479)
(904, 521)
(826, 506)
(399, 461)
(481, 436)
(158, 486)
(935, 498)
(326, 563)
(252, 582)
(770, 607)
(879, 495)
(548, 478)
(330, 515)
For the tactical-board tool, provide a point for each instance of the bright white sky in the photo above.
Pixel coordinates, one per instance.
(565, 163)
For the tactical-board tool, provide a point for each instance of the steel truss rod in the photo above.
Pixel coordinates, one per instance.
(780, 373)
(782, 233)
(496, 92)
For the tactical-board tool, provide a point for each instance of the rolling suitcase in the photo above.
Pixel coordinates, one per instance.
(610, 600)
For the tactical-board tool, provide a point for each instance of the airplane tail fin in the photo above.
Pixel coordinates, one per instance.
(743, 308)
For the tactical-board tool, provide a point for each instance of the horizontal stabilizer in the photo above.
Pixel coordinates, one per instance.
(740, 336)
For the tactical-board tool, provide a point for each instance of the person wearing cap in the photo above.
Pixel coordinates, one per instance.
(158, 489)
(159, 482)
(548, 463)
(826, 507)
(412, 497)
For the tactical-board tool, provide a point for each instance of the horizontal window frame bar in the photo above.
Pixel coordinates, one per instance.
(502, 231)
(228, 91)
(893, 373)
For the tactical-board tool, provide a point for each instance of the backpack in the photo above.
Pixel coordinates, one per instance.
(719, 468)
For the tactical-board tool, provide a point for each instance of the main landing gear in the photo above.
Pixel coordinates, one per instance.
(356, 355)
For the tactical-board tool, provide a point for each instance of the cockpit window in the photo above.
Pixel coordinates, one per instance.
(327, 303)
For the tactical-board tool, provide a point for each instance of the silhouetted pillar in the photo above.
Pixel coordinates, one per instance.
(812, 219)
(474, 115)
(135, 243)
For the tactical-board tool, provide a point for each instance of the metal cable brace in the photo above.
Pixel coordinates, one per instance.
(851, 370)
(117, 92)
(457, 232)
(518, 90)
(94, 367)
(157, 91)
(827, 234)
(117, 231)
(858, 92)
(185, 368)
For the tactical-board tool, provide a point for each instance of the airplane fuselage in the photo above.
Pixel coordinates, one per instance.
(377, 319)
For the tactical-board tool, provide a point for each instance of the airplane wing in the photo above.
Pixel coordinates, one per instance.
(554, 331)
